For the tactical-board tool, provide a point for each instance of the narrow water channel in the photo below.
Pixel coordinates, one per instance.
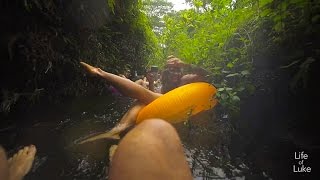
(58, 157)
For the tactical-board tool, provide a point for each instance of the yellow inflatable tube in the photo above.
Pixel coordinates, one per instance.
(180, 103)
(175, 106)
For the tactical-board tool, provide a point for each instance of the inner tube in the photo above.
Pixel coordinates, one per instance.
(179, 104)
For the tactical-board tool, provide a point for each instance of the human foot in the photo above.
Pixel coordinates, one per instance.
(21, 162)
(92, 70)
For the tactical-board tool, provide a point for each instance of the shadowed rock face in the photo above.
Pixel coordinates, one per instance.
(88, 15)
(277, 121)
(41, 43)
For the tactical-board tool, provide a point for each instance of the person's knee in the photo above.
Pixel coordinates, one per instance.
(157, 127)
(151, 142)
(155, 122)
(150, 131)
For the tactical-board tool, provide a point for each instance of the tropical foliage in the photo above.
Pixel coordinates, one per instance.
(43, 42)
(227, 37)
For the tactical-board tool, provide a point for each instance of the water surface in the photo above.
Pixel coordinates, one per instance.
(204, 139)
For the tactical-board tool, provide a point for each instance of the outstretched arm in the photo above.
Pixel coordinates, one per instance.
(125, 86)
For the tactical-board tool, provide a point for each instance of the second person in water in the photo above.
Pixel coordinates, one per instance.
(171, 78)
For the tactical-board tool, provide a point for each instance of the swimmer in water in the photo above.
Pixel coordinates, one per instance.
(16, 167)
(172, 79)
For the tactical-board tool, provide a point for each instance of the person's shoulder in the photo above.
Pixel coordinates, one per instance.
(191, 78)
(195, 69)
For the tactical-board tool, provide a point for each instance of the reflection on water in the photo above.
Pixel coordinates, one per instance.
(58, 157)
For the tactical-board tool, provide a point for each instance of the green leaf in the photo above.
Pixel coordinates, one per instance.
(265, 2)
(111, 4)
(217, 68)
(232, 75)
(245, 72)
(27, 6)
(235, 98)
(230, 65)
(198, 3)
(235, 60)
(240, 89)
(291, 64)
(251, 88)
(278, 26)
(224, 96)
(277, 18)
(266, 12)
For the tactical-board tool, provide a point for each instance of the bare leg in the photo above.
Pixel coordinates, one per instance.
(19, 165)
(4, 167)
(125, 86)
(128, 120)
(152, 150)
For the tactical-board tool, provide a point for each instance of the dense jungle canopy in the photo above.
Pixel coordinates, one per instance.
(262, 55)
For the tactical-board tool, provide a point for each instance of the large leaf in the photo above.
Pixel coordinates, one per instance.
(233, 75)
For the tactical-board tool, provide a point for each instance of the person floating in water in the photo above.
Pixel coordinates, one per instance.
(142, 81)
(171, 78)
(125, 74)
(16, 167)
